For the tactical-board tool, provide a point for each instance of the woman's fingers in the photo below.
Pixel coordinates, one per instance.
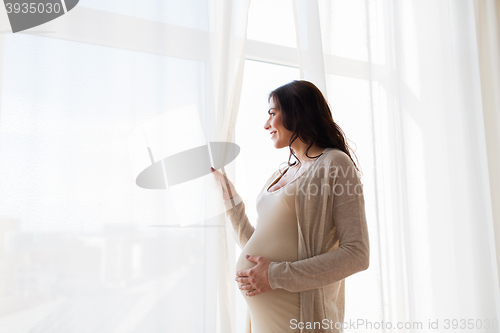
(242, 279)
(230, 191)
(256, 276)
(253, 292)
(217, 174)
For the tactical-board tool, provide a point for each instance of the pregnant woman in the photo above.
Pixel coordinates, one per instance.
(311, 232)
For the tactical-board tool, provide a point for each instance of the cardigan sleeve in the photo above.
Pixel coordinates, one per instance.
(235, 210)
(242, 228)
(351, 256)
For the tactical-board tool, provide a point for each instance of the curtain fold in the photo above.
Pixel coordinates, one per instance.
(309, 43)
(228, 47)
(487, 18)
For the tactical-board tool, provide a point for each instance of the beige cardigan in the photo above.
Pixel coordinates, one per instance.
(333, 239)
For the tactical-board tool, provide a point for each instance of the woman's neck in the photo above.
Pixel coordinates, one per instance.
(300, 152)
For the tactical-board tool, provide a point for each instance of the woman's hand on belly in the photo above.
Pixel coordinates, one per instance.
(255, 279)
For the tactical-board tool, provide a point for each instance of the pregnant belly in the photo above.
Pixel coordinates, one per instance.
(262, 243)
(270, 311)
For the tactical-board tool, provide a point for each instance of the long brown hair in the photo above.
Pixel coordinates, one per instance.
(306, 113)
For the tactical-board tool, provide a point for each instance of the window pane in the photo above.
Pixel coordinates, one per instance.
(343, 26)
(272, 22)
(257, 150)
(75, 244)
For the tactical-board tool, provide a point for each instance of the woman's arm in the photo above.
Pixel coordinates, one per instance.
(235, 209)
(242, 227)
(350, 257)
(353, 252)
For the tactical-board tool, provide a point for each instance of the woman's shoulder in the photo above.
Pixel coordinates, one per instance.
(334, 162)
(335, 156)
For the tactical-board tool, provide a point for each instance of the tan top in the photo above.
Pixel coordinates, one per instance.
(275, 238)
(332, 239)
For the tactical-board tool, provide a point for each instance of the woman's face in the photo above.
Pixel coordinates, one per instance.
(278, 133)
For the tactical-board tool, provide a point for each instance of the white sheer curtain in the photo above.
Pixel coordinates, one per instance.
(414, 84)
(417, 83)
(82, 247)
(487, 18)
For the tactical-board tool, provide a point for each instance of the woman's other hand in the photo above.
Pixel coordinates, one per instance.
(227, 194)
(255, 279)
